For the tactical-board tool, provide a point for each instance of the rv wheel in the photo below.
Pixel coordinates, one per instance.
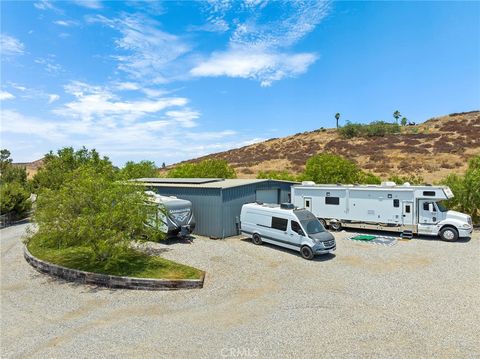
(449, 234)
(336, 226)
(307, 252)
(256, 239)
(323, 222)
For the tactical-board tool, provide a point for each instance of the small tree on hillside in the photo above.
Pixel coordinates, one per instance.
(396, 115)
(404, 121)
(330, 168)
(337, 117)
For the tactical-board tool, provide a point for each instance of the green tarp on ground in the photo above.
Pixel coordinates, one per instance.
(363, 238)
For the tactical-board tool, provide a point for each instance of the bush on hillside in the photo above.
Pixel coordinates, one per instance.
(374, 129)
(277, 175)
(413, 179)
(210, 168)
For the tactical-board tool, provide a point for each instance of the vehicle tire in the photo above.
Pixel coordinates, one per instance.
(256, 239)
(336, 226)
(448, 234)
(307, 252)
(323, 222)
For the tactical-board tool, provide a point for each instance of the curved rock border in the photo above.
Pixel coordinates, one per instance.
(110, 281)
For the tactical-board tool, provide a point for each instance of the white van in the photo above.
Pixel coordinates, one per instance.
(286, 226)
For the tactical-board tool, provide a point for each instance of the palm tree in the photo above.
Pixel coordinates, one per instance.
(397, 115)
(337, 117)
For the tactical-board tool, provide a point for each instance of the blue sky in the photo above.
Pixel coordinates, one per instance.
(168, 81)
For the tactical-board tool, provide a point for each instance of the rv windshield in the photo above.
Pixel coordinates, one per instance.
(441, 207)
(309, 222)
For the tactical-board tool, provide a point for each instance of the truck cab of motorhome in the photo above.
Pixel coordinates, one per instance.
(286, 226)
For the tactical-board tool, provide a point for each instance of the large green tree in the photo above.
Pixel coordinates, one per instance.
(330, 168)
(466, 190)
(90, 210)
(57, 167)
(210, 168)
(142, 169)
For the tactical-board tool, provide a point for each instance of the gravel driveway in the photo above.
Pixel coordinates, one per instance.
(419, 298)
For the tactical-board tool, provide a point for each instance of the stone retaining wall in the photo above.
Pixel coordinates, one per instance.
(110, 281)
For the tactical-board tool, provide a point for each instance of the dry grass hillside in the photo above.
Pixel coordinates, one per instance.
(432, 149)
(31, 167)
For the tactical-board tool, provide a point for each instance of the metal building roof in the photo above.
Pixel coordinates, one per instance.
(198, 182)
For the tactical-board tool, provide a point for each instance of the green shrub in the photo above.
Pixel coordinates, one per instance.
(210, 168)
(57, 167)
(466, 190)
(91, 210)
(330, 168)
(374, 129)
(14, 199)
(142, 169)
(277, 175)
(368, 178)
(413, 179)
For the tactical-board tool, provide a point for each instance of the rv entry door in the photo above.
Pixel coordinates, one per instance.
(407, 213)
(307, 203)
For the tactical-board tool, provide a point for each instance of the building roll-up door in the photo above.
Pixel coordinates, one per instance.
(267, 195)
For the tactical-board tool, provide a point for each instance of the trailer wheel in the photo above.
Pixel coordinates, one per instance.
(336, 226)
(256, 239)
(448, 234)
(307, 252)
(323, 222)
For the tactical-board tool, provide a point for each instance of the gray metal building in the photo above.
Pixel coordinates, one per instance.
(217, 202)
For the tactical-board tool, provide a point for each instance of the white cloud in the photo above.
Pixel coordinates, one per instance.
(49, 64)
(186, 117)
(65, 23)
(260, 47)
(263, 66)
(95, 102)
(213, 25)
(89, 4)
(127, 86)
(52, 98)
(44, 5)
(10, 46)
(150, 52)
(4, 95)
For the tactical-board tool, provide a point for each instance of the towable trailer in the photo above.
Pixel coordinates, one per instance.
(174, 217)
(388, 207)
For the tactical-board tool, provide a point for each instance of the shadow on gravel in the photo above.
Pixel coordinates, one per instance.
(317, 258)
(396, 234)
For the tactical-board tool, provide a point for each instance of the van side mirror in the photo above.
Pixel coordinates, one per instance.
(300, 232)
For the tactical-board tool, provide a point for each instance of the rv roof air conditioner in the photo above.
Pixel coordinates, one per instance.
(308, 183)
(388, 184)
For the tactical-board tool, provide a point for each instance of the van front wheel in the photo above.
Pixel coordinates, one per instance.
(449, 234)
(307, 252)
(256, 239)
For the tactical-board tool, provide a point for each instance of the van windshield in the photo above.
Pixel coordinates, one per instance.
(309, 222)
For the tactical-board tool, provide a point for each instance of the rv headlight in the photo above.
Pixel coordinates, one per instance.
(466, 226)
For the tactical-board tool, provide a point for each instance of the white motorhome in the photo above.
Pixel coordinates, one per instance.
(286, 226)
(399, 208)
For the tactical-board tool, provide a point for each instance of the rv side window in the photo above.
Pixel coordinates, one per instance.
(407, 208)
(332, 200)
(425, 206)
(396, 203)
(279, 223)
(429, 193)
